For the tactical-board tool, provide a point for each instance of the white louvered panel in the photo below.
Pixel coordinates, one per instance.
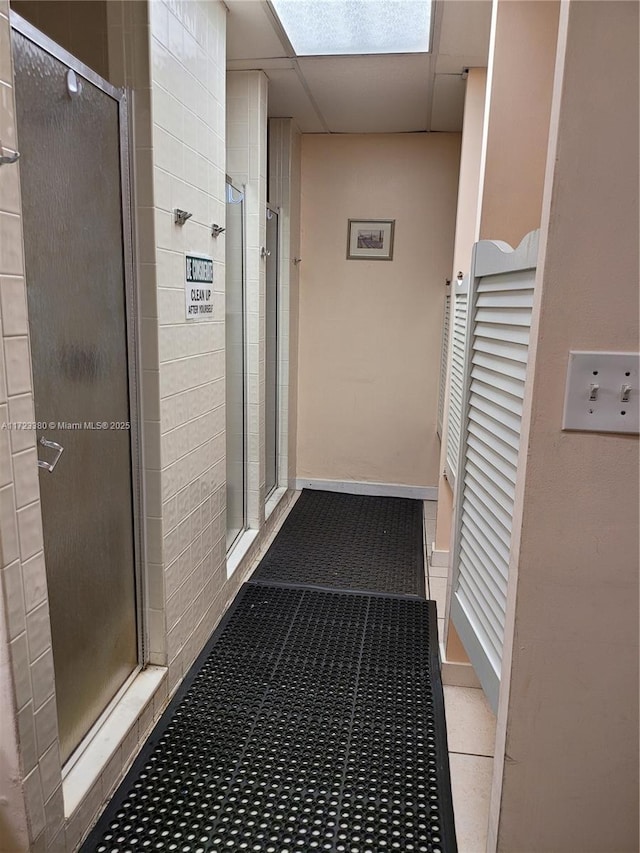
(504, 367)
(489, 420)
(513, 335)
(474, 592)
(492, 587)
(497, 297)
(485, 594)
(456, 379)
(491, 445)
(509, 403)
(488, 542)
(518, 280)
(501, 305)
(496, 379)
(497, 351)
(502, 492)
(478, 493)
(444, 357)
(472, 589)
(490, 463)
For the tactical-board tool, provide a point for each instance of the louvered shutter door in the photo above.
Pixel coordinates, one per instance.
(456, 378)
(444, 357)
(501, 306)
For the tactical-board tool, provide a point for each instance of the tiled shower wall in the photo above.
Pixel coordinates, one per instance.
(184, 388)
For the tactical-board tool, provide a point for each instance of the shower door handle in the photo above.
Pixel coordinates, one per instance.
(54, 446)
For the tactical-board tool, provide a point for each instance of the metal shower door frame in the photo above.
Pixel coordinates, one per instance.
(278, 450)
(231, 187)
(26, 29)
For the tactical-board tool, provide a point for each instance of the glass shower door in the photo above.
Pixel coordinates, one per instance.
(271, 354)
(70, 174)
(235, 366)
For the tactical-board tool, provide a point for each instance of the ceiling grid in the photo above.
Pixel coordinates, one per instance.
(366, 93)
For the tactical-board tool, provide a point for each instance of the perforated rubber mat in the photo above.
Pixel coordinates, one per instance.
(312, 721)
(354, 542)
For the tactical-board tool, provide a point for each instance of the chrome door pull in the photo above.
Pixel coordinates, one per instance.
(54, 446)
(7, 155)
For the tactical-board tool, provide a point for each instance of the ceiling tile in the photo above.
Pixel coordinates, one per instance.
(370, 94)
(250, 31)
(363, 94)
(465, 28)
(288, 99)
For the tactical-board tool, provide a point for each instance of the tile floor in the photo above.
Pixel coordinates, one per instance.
(471, 728)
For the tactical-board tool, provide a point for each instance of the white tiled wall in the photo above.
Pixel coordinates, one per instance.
(247, 166)
(184, 383)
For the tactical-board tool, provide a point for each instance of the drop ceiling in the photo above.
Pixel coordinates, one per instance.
(364, 94)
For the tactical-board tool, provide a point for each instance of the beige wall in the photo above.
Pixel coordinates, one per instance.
(465, 237)
(470, 165)
(370, 331)
(518, 108)
(568, 721)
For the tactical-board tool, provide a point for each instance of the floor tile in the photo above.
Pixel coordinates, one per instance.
(471, 786)
(438, 593)
(471, 725)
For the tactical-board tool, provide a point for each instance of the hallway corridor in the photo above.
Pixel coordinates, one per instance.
(313, 719)
(319, 426)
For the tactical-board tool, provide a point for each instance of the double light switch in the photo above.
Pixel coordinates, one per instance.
(602, 392)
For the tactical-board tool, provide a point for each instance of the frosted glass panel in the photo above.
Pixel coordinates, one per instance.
(235, 366)
(330, 27)
(72, 209)
(271, 355)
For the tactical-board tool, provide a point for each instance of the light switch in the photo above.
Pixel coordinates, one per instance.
(602, 392)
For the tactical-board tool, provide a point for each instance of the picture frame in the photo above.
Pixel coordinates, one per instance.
(370, 239)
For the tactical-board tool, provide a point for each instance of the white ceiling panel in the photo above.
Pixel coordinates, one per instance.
(288, 99)
(250, 31)
(465, 28)
(370, 94)
(448, 103)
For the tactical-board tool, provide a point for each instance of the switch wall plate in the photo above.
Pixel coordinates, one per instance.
(602, 392)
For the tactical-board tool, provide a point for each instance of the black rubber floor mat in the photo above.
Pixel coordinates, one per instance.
(312, 721)
(354, 542)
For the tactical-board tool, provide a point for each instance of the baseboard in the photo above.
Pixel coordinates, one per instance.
(439, 559)
(388, 490)
(458, 674)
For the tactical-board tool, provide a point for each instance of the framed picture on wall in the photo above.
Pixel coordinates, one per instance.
(370, 239)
